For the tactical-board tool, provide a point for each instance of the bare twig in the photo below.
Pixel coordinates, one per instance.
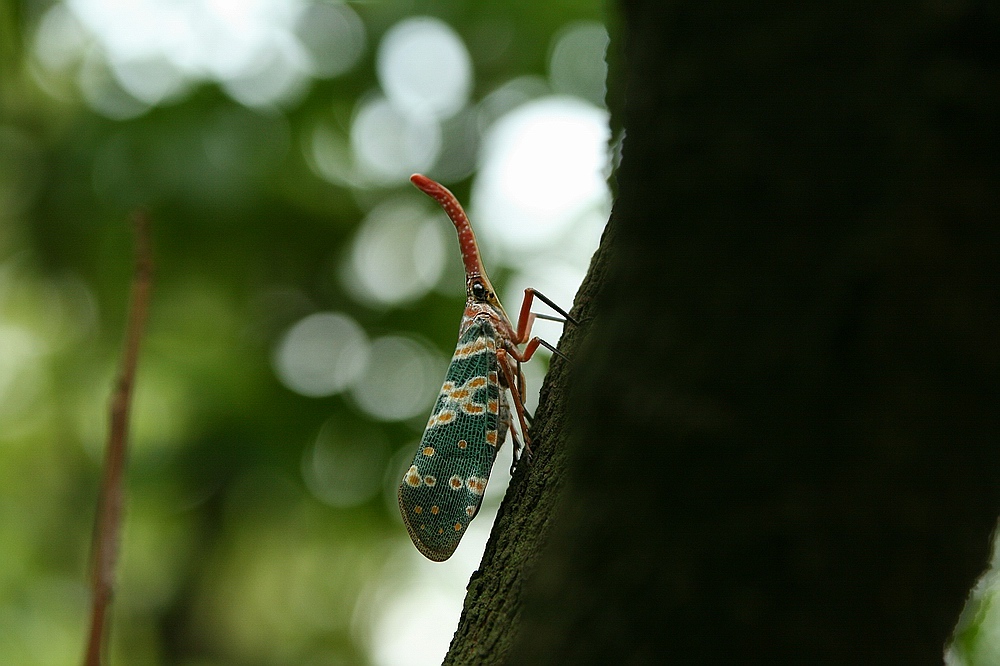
(109, 515)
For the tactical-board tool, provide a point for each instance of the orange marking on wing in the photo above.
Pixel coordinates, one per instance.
(418, 509)
(462, 443)
(472, 347)
(412, 477)
(428, 451)
(455, 482)
(476, 484)
(458, 527)
(491, 437)
(430, 480)
(435, 509)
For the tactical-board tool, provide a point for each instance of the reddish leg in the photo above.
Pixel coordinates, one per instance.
(515, 442)
(502, 356)
(513, 376)
(529, 351)
(530, 348)
(526, 318)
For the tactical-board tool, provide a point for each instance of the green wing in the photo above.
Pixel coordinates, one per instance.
(443, 489)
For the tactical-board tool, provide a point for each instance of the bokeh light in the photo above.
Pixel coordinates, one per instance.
(578, 65)
(139, 54)
(401, 381)
(20, 372)
(424, 68)
(397, 255)
(345, 464)
(508, 96)
(322, 354)
(390, 145)
(334, 37)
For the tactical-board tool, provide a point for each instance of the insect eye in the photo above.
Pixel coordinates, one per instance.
(478, 290)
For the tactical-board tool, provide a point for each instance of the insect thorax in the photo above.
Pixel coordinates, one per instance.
(499, 326)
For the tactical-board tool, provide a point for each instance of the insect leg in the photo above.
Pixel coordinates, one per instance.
(517, 447)
(531, 347)
(520, 378)
(526, 317)
(503, 357)
(520, 387)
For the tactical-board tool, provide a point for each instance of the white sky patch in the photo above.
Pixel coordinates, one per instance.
(400, 639)
(60, 38)
(543, 168)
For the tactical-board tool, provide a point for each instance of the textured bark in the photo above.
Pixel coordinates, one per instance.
(783, 425)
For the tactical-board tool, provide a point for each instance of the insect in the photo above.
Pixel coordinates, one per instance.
(442, 490)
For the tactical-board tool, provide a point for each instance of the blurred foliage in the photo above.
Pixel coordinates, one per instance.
(228, 556)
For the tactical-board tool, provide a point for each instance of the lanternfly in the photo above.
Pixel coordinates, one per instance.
(443, 488)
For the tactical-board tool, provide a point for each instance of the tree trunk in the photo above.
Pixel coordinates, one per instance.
(779, 440)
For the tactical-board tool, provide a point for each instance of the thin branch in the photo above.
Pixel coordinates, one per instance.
(107, 534)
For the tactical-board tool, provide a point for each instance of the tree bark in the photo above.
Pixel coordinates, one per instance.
(778, 443)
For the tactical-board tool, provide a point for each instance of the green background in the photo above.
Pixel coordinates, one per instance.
(227, 556)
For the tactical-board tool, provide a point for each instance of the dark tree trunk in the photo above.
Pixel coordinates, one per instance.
(780, 440)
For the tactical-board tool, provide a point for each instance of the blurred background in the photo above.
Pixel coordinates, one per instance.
(305, 305)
